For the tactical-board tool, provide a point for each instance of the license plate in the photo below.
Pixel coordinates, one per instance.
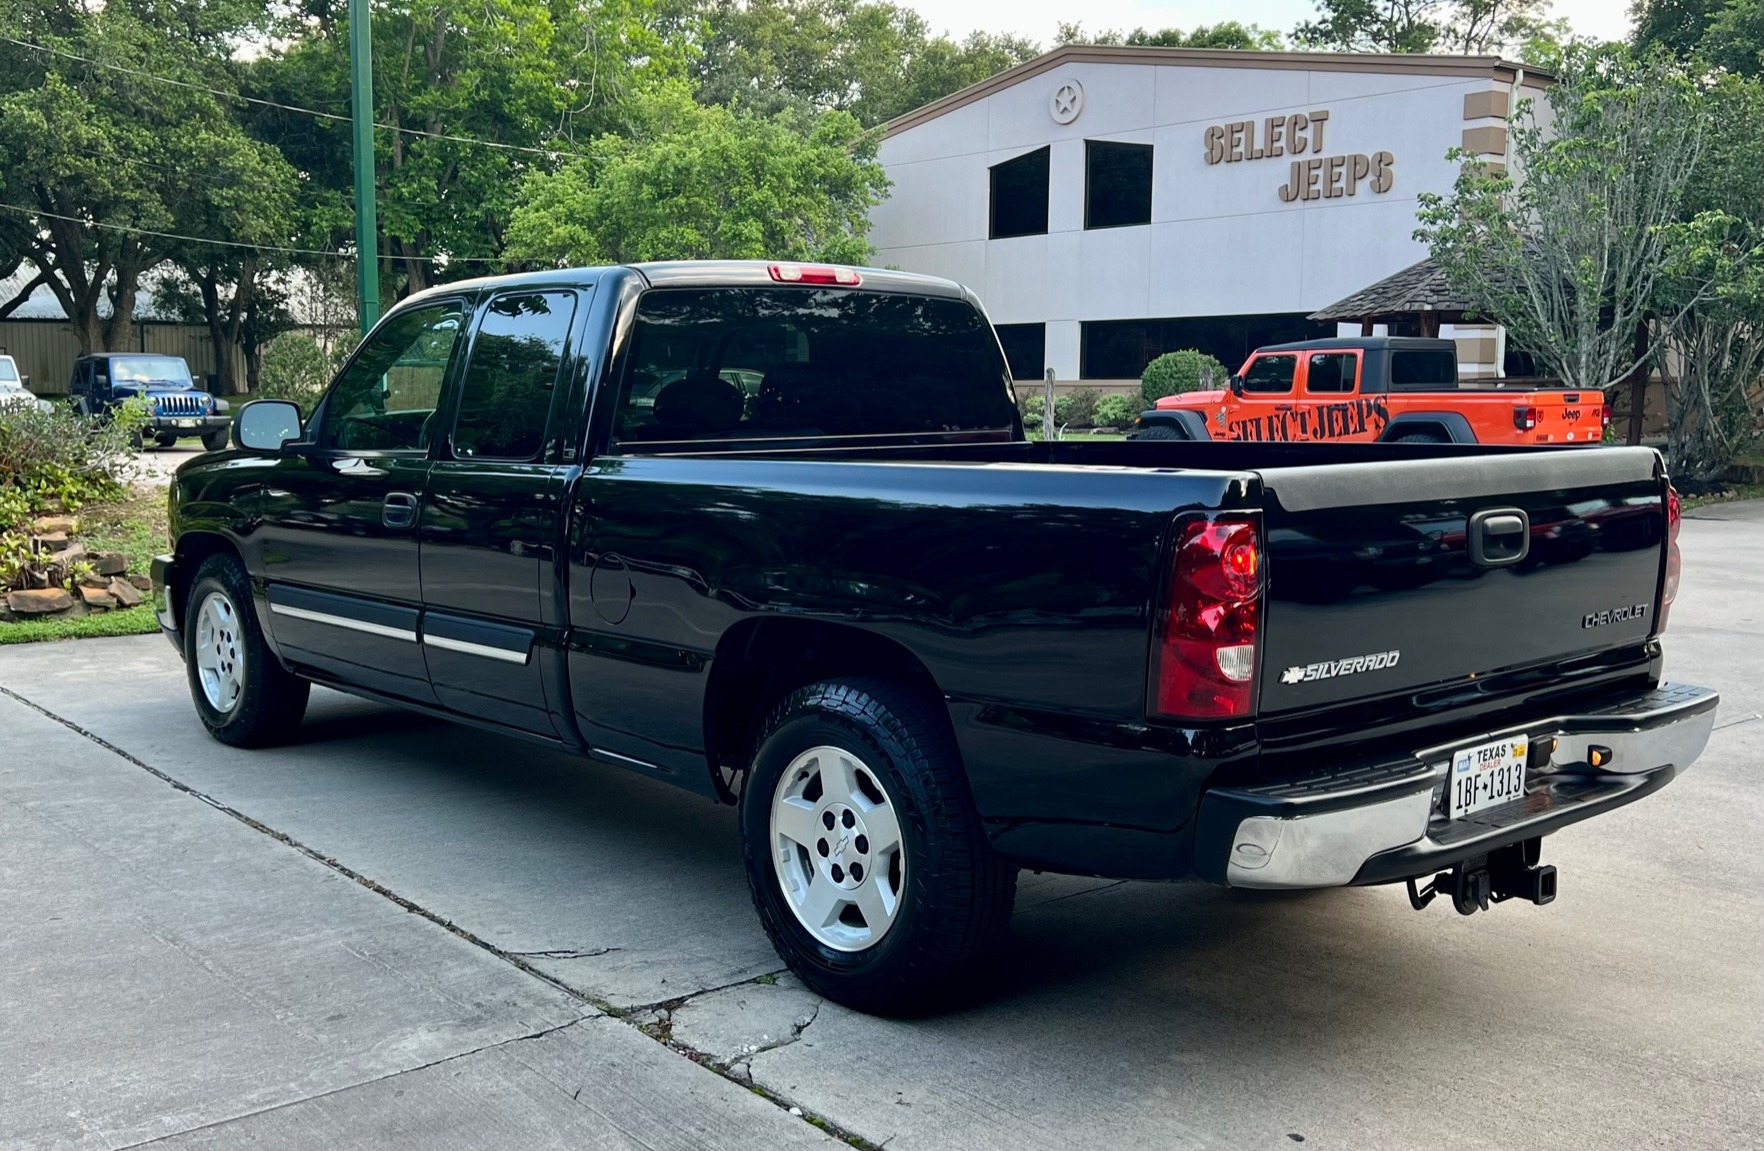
(188, 423)
(1487, 775)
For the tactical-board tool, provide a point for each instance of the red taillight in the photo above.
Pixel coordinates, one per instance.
(1604, 415)
(814, 274)
(1206, 641)
(1669, 588)
(1524, 419)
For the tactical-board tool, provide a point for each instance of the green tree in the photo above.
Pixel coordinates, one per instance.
(1472, 27)
(102, 154)
(1571, 259)
(473, 99)
(1226, 34)
(702, 182)
(1728, 34)
(871, 58)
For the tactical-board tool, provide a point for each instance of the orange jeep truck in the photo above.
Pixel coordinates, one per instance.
(1371, 388)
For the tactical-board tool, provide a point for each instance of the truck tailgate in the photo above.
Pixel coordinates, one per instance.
(1389, 577)
(1567, 417)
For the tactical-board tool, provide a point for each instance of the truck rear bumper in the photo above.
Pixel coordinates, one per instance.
(1386, 822)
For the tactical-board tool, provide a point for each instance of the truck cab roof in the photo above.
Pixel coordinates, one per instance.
(1364, 344)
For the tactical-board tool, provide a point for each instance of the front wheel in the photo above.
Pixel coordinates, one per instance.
(166, 440)
(243, 696)
(214, 441)
(1159, 432)
(867, 862)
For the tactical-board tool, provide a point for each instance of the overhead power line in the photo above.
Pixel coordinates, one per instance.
(253, 247)
(549, 153)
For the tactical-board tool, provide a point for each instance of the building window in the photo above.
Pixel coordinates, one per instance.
(1120, 349)
(1117, 184)
(1019, 196)
(1025, 347)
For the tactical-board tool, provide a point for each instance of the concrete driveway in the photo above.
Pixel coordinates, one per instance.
(187, 956)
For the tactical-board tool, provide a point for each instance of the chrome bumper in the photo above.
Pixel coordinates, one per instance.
(1383, 822)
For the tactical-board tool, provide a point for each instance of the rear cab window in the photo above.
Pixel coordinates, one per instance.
(1423, 370)
(1270, 375)
(742, 366)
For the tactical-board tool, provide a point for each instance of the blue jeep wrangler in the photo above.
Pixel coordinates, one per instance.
(177, 409)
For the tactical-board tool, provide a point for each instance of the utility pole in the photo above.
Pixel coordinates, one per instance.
(361, 106)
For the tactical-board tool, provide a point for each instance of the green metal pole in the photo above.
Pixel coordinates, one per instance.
(367, 227)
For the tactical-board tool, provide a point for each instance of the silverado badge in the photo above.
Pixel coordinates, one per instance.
(1329, 669)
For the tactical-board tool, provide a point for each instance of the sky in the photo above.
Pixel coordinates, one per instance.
(1038, 19)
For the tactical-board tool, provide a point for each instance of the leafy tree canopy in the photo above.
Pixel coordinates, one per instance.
(1472, 27)
(692, 181)
(1226, 34)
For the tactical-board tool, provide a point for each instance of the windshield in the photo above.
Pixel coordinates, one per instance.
(8, 371)
(150, 370)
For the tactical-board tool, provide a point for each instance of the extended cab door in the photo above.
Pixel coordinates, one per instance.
(337, 525)
(492, 514)
(1333, 407)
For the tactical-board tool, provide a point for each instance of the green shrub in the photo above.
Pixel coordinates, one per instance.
(1115, 411)
(1076, 409)
(1032, 408)
(297, 368)
(1176, 372)
(59, 459)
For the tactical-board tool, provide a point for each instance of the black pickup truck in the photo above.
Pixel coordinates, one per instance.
(774, 533)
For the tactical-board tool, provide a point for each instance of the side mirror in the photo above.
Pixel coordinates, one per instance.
(266, 425)
(1237, 385)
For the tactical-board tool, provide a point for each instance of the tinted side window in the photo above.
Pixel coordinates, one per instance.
(1270, 374)
(385, 399)
(806, 363)
(1019, 195)
(1332, 372)
(1419, 370)
(509, 381)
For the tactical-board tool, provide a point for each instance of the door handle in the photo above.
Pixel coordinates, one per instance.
(1499, 537)
(398, 510)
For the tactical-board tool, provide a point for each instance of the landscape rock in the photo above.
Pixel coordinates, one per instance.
(97, 598)
(44, 525)
(39, 601)
(48, 542)
(66, 556)
(144, 583)
(110, 563)
(95, 580)
(125, 593)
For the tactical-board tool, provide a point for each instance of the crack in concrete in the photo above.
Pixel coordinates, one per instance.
(1737, 720)
(662, 1034)
(568, 953)
(540, 1034)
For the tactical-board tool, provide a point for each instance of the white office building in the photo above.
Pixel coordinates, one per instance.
(1110, 204)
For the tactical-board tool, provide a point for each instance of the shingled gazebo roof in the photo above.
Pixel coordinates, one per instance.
(1417, 289)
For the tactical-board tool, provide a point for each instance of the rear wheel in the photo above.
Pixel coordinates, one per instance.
(867, 862)
(1420, 438)
(243, 696)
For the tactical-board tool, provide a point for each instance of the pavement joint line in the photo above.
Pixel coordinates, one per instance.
(274, 1107)
(1739, 719)
(510, 957)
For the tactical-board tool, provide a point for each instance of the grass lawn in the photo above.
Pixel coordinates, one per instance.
(137, 528)
(1034, 433)
(130, 621)
(1740, 492)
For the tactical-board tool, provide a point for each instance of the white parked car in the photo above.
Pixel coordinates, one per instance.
(12, 390)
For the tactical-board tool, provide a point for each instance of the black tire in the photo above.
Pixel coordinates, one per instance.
(215, 441)
(165, 440)
(1160, 432)
(955, 893)
(1419, 438)
(271, 701)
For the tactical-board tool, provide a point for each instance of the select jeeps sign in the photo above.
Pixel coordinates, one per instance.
(1315, 177)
